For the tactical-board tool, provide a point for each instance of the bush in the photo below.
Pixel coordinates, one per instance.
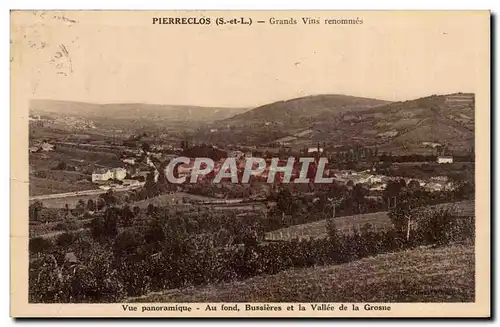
(435, 226)
(65, 240)
(39, 245)
(69, 225)
(95, 281)
(179, 251)
(45, 281)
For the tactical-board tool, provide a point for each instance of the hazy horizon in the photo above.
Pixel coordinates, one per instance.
(241, 107)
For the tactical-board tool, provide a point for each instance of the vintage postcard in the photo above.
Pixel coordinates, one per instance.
(250, 164)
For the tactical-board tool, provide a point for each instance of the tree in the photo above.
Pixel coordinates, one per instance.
(61, 166)
(413, 185)
(404, 212)
(151, 210)
(331, 229)
(91, 205)
(155, 234)
(284, 201)
(109, 198)
(127, 216)
(95, 281)
(150, 185)
(126, 243)
(162, 179)
(434, 226)
(34, 210)
(358, 194)
(97, 227)
(111, 216)
(39, 245)
(402, 183)
(146, 147)
(65, 239)
(350, 184)
(391, 192)
(105, 227)
(80, 207)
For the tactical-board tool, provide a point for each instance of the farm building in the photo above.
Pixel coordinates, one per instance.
(315, 149)
(104, 174)
(119, 173)
(101, 174)
(130, 161)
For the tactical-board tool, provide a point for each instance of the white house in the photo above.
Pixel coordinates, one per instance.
(378, 187)
(130, 161)
(45, 146)
(103, 174)
(439, 178)
(315, 149)
(444, 159)
(119, 173)
(434, 187)
(132, 182)
(375, 179)
(235, 154)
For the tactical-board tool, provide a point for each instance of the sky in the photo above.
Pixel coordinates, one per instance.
(109, 57)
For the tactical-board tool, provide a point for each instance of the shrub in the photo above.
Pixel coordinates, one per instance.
(39, 244)
(435, 226)
(45, 281)
(65, 239)
(96, 280)
(69, 225)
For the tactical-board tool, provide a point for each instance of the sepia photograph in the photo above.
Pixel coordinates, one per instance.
(250, 163)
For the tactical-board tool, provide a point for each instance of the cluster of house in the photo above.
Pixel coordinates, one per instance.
(138, 165)
(104, 174)
(376, 182)
(114, 178)
(373, 181)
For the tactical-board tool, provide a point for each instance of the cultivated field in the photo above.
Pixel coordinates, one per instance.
(171, 198)
(377, 220)
(42, 186)
(420, 275)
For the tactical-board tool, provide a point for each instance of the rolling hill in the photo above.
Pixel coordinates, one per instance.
(409, 126)
(303, 110)
(338, 120)
(132, 111)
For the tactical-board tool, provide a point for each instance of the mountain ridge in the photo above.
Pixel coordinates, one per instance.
(132, 110)
(294, 110)
(340, 121)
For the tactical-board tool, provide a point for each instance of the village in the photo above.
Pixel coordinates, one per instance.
(148, 160)
(141, 163)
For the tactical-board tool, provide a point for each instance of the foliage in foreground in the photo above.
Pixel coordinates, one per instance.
(132, 261)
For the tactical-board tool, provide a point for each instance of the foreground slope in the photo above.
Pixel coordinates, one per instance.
(421, 275)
